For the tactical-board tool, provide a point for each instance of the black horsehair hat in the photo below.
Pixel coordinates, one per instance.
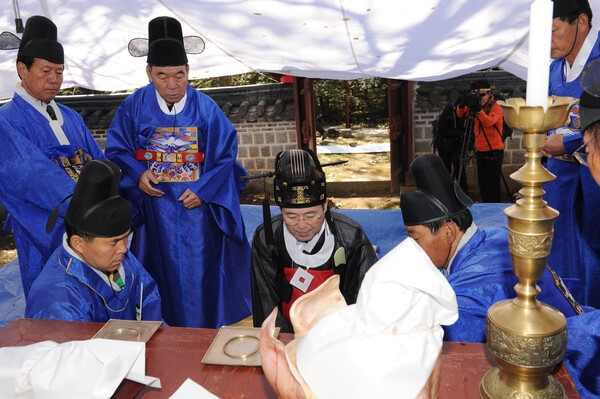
(589, 101)
(299, 179)
(166, 45)
(437, 196)
(564, 8)
(39, 40)
(96, 208)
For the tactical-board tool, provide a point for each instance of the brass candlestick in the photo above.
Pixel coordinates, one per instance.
(527, 337)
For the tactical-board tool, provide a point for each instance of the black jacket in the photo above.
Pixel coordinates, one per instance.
(266, 274)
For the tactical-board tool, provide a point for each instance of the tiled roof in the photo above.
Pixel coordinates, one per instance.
(268, 102)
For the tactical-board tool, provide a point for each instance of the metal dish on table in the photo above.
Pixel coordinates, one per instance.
(235, 346)
(128, 330)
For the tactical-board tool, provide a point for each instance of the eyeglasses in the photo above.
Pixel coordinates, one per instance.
(293, 219)
(581, 155)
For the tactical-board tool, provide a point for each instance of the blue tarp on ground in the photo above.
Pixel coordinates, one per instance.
(385, 229)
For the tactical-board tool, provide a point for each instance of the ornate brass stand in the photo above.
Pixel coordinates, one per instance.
(527, 337)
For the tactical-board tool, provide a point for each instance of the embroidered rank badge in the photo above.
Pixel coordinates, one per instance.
(169, 149)
(301, 279)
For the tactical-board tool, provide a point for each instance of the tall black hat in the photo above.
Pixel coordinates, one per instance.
(299, 179)
(96, 207)
(39, 40)
(590, 78)
(589, 101)
(589, 110)
(166, 45)
(437, 196)
(563, 8)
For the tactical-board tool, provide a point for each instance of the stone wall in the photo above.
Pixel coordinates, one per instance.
(259, 143)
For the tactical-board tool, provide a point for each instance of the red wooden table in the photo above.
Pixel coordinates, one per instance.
(174, 354)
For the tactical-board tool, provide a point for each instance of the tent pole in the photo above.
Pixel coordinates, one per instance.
(18, 20)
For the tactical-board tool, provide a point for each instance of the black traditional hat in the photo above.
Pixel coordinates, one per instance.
(96, 208)
(590, 78)
(563, 8)
(589, 110)
(166, 45)
(39, 40)
(437, 196)
(589, 101)
(299, 179)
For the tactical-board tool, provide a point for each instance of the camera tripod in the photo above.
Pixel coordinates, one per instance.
(467, 153)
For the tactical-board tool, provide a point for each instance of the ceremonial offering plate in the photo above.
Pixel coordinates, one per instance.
(235, 346)
(128, 330)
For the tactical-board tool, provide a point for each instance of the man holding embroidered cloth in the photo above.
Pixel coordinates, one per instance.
(44, 146)
(177, 151)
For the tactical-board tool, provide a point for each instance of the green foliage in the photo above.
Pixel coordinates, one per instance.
(245, 79)
(367, 101)
(74, 91)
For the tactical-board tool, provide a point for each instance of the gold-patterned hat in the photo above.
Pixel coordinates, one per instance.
(299, 179)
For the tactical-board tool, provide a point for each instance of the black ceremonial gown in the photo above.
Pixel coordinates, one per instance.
(348, 234)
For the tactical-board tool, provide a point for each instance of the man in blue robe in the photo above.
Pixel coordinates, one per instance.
(92, 276)
(44, 146)
(575, 253)
(476, 261)
(193, 239)
(583, 344)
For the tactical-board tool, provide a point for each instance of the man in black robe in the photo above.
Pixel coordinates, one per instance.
(295, 252)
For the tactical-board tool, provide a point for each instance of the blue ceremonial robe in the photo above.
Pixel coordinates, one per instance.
(575, 253)
(69, 289)
(481, 274)
(32, 185)
(582, 357)
(200, 258)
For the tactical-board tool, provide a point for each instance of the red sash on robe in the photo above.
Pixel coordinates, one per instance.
(319, 277)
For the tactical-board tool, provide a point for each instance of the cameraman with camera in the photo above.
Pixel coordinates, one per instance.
(485, 119)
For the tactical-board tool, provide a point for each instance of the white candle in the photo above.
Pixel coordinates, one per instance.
(540, 37)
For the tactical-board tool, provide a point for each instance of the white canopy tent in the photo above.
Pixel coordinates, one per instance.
(421, 40)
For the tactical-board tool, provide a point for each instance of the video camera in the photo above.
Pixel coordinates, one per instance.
(473, 99)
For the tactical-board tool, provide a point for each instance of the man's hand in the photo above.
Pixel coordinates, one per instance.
(145, 183)
(554, 146)
(190, 200)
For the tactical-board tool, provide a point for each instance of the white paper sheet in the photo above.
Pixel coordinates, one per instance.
(192, 390)
(77, 369)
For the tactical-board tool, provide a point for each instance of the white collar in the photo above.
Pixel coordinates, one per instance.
(176, 108)
(296, 249)
(39, 104)
(573, 71)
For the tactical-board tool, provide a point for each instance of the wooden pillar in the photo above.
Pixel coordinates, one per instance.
(305, 113)
(401, 132)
